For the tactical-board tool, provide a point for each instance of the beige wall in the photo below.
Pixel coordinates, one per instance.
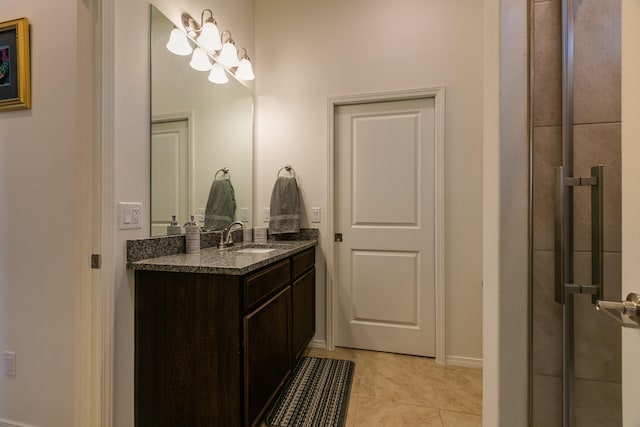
(308, 51)
(44, 153)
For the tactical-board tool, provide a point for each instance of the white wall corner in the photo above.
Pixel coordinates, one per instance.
(506, 213)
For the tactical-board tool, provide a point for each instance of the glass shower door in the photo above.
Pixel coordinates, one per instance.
(575, 357)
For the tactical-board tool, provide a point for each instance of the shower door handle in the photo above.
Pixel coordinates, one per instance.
(563, 246)
(625, 312)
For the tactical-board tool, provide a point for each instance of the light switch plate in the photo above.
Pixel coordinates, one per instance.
(315, 214)
(266, 214)
(244, 214)
(10, 363)
(129, 215)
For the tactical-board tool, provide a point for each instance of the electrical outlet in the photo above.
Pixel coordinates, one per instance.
(266, 214)
(136, 215)
(10, 363)
(129, 215)
(244, 214)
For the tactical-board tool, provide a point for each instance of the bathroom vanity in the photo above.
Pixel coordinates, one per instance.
(217, 334)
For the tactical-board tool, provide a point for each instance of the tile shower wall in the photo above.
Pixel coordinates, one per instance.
(597, 391)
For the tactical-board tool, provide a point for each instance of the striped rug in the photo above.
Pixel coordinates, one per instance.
(316, 395)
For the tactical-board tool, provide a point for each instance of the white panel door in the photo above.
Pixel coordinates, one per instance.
(630, 204)
(385, 210)
(169, 174)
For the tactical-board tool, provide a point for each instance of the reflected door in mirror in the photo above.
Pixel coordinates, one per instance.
(170, 174)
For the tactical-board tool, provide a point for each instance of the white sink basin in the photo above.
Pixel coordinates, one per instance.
(254, 250)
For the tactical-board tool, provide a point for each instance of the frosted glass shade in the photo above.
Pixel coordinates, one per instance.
(218, 75)
(210, 37)
(245, 70)
(178, 43)
(200, 60)
(229, 55)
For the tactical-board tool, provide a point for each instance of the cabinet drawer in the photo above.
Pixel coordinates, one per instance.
(302, 262)
(265, 282)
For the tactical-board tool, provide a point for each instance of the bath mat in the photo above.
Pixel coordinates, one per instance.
(316, 395)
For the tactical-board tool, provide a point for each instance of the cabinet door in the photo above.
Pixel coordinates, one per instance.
(187, 350)
(267, 353)
(303, 293)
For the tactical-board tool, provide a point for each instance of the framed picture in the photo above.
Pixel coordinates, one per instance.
(15, 65)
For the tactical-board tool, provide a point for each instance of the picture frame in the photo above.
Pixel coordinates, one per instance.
(15, 65)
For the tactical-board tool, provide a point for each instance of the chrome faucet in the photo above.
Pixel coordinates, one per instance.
(227, 241)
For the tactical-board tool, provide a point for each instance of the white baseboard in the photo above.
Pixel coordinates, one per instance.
(313, 344)
(7, 423)
(466, 362)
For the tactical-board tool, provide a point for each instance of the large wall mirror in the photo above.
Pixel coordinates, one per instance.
(198, 130)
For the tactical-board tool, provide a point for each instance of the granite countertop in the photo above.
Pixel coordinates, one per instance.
(231, 261)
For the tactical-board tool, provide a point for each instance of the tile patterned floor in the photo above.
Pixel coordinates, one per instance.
(398, 390)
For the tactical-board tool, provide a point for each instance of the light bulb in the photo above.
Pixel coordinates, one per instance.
(245, 71)
(200, 60)
(178, 43)
(218, 75)
(229, 55)
(210, 37)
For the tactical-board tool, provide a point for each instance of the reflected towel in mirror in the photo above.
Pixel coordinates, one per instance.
(221, 205)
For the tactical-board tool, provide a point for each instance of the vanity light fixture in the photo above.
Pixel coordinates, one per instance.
(218, 75)
(200, 60)
(210, 43)
(206, 33)
(245, 70)
(178, 43)
(229, 54)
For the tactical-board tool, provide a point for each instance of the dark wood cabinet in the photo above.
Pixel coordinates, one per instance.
(214, 350)
(303, 309)
(303, 294)
(267, 354)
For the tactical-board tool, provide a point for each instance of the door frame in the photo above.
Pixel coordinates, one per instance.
(630, 203)
(438, 95)
(94, 339)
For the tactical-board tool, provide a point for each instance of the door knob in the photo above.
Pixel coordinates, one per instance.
(626, 312)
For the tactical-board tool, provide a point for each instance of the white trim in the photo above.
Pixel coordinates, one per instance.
(191, 155)
(105, 300)
(465, 362)
(318, 344)
(438, 94)
(87, 367)
(7, 423)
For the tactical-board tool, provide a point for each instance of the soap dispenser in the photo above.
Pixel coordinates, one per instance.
(173, 228)
(192, 236)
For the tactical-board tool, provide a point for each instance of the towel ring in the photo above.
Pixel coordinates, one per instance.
(225, 172)
(289, 169)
